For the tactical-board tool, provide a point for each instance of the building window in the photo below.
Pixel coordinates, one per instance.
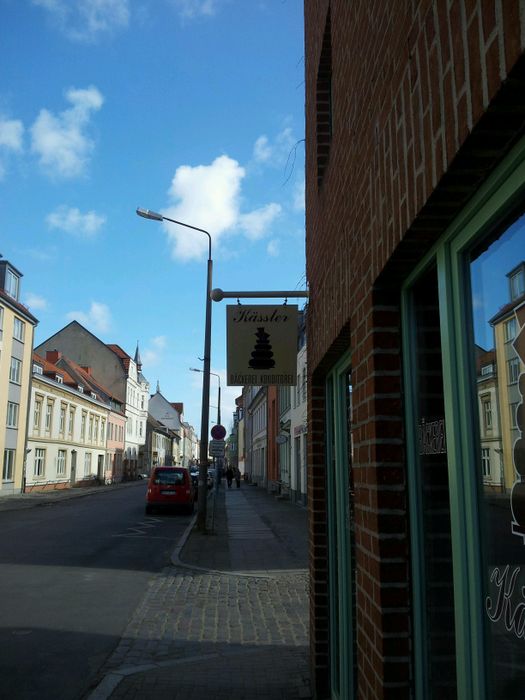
(90, 429)
(62, 427)
(303, 386)
(83, 426)
(37, 416)
(15, 371)
(513, 415)
(38, 369)
(12, 415)
(87, 464)
(103, 431)
(487, 369)
(487, 413)
(485, 462)
(513, 370)
(49, 416)
(510, 329)
(517, 283)
(40, 462)
(8, 468)
(18, 330)
(61, 463)
(95, 431)
(324, 103)
(71, 422)
(11, 284)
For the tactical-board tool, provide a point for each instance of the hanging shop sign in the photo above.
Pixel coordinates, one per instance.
(262, 345)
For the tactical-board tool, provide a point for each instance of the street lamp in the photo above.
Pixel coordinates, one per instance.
(205, 411)
(194, 369)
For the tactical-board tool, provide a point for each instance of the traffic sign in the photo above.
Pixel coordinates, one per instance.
(218, 432)
(216, 448)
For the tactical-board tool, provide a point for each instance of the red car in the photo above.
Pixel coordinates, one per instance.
(170, 486)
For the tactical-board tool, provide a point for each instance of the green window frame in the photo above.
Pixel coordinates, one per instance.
(340, 534)
(488, 209)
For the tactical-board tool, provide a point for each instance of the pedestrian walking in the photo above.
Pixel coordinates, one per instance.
(229, 476)
(238, 477)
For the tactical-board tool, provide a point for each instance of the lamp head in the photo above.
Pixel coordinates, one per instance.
(193, 369)
(148, 214)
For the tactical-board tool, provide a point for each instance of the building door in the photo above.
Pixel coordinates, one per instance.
(341, 568)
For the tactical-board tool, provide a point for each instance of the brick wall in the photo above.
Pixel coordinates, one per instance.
(425, 99)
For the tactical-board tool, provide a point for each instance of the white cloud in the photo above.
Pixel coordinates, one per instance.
(71, 220)
(59, 141)
(189, 9)
(262, 151)
(152, 354)
(11, 132)
(257, 222)
(85, 20)
(35, 301)
(299, 196)
(273, 248)
(276, 153)
(208, 196)
(98, 317)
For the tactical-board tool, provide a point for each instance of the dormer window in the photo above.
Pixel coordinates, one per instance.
(81, 389)
(37, 369)
(12, 283)
(487, 369)
(59, 379)
(93, 395)
(517, 281)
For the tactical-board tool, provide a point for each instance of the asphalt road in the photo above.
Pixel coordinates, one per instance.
(71, 575)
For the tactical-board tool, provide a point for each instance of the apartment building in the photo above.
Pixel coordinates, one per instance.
(17, 326)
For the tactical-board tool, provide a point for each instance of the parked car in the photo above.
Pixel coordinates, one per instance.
(142, 475)
(170, 487)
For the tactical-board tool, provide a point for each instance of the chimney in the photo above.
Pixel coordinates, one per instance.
(53, 356)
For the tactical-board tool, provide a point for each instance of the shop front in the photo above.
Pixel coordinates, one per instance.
(464, 372)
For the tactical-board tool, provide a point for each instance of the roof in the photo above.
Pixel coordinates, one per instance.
(506, 309)
(17, 306)
(121, 354)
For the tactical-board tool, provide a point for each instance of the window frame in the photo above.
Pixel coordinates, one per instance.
(15, 370)
(8, 465)
(12, 414)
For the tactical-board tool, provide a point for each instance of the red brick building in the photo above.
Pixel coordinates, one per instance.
(415, 194)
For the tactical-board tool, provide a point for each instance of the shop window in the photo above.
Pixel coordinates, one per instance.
(498, 321)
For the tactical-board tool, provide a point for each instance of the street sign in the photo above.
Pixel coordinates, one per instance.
(218, 432)
(262, 345)
(216, 448)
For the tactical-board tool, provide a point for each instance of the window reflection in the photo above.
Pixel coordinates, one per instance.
(498, 302)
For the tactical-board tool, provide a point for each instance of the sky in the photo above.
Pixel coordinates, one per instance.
(192, 108)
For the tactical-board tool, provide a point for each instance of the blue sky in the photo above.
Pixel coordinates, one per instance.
(194, 108)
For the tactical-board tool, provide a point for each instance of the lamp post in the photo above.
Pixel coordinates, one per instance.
(205, 411)
(194, 369)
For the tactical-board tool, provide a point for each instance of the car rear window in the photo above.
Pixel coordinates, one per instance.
(169, 476)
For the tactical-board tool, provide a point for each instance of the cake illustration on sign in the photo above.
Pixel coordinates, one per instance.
(262, 355)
